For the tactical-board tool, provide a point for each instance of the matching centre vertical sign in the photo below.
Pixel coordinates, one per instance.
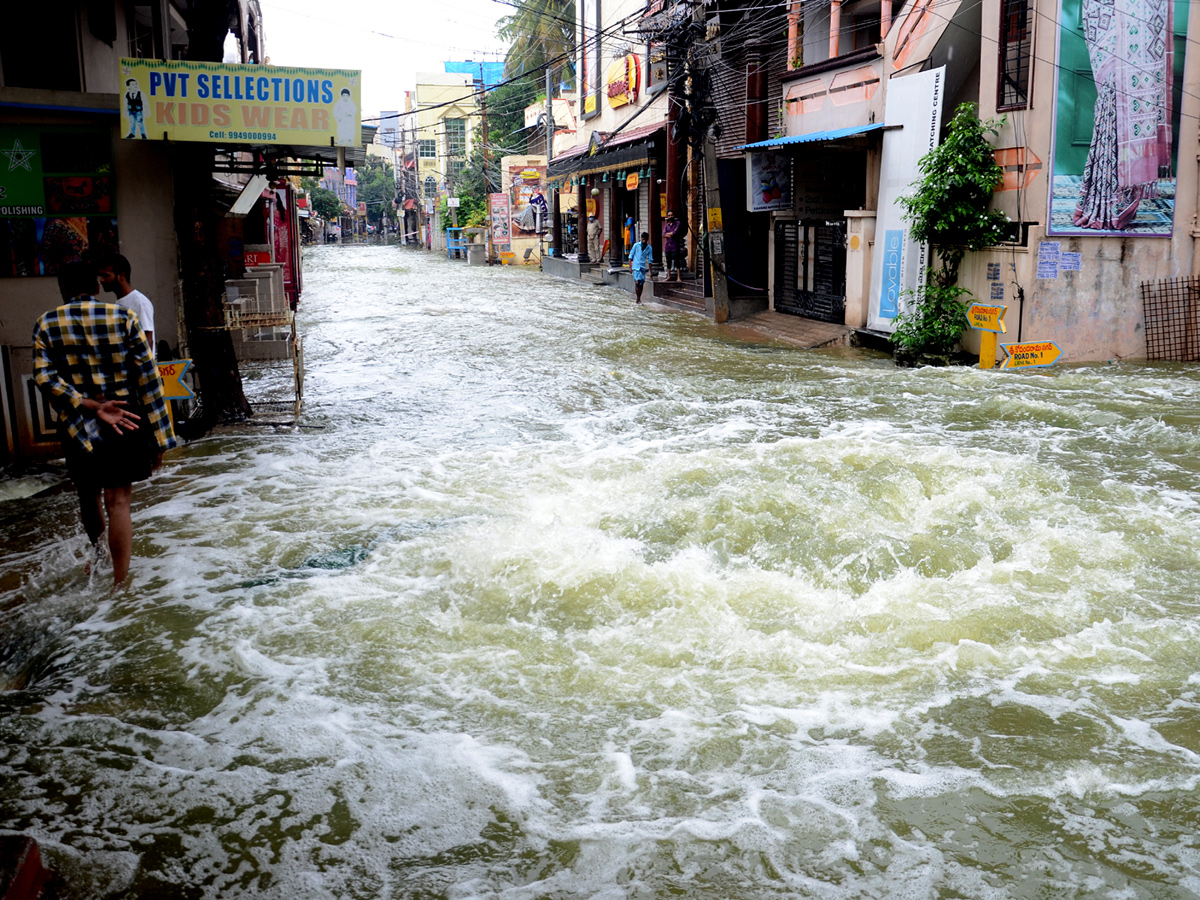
(914, 101)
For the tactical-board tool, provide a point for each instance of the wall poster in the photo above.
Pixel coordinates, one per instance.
(1116, 127)
(498, 208)
(57, 197)
(528, 201)
(769, 181)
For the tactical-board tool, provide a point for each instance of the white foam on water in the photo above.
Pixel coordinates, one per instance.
(568, 599)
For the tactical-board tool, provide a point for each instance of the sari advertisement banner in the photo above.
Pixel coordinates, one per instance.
(57, 198)
(1116, 127)
(217, 103)
(528, 204)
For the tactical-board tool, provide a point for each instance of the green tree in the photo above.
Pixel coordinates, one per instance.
(538, 32)
(376, 187)
(948, 209)
(325, 202)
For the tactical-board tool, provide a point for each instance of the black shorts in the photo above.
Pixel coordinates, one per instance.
(116, 460)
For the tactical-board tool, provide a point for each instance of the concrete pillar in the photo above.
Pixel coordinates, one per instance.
(835, 27)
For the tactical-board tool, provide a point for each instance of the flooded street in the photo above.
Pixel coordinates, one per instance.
(558, 597)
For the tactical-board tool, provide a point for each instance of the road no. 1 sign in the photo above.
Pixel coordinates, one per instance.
(1030, 355)
(987, 318)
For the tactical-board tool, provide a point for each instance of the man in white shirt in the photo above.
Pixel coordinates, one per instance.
(114, 274)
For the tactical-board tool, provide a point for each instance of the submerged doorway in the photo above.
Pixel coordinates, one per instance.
(810, 268)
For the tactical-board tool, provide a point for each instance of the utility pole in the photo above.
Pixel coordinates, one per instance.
(555, 219)
(710, 52)
(487, 183)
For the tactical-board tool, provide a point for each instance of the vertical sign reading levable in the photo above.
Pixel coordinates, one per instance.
(914, 101)
(893, 272)
(1117, 116)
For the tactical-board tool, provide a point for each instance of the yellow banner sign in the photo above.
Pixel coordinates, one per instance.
(631, 181)
(623, 81)
(172, 374)
(235, 104)
(987, 318)
(1030, 355)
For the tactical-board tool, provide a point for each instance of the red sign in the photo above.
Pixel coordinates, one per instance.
(257, 257)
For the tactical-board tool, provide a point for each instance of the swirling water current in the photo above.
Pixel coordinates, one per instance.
(557, 597)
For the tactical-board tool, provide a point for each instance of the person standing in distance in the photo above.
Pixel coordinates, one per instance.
(114, 274)
(641, 258)
(92, 362)
(672, 233)
(594, 231)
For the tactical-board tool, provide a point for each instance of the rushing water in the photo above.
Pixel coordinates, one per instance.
(558, 597)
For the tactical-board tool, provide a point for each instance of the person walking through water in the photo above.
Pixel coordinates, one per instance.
(672, 234)
(92, 362)
(114, 272)
(641, 258)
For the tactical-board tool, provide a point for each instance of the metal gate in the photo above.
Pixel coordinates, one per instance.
(810, 269)
(1171, 309)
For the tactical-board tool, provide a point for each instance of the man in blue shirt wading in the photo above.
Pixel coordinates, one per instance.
(641, 257)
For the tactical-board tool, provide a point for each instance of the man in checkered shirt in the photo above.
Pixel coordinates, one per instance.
(94, 364)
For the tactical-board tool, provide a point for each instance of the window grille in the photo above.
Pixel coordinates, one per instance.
(456, 137)
(1016, 54)
(1171, 310)
(428, 149)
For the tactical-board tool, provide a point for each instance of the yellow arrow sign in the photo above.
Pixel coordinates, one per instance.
(172, 374)
(987, 318)
(1030, 355)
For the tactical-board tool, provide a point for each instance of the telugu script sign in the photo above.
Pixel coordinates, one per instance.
(987, 318)
(1030, 355)
(236, 104)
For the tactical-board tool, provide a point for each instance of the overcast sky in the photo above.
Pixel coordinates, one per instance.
(389, 40)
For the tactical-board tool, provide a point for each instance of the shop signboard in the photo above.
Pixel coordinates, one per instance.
(915, 102)
(589, 52)
(769, 184)
(57, 197)
(623, 80)
(239, 104)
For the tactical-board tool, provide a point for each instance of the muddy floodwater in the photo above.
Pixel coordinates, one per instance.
(553, 596)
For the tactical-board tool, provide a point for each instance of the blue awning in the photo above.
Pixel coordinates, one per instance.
(816, 136)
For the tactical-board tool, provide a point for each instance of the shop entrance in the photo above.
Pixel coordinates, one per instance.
(810, 268)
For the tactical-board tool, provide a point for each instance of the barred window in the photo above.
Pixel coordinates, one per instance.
(430, 187)
(428, 149)
(456, 137)
(1016, 54)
